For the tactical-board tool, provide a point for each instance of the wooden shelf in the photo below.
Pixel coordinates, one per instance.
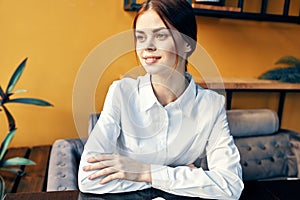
(235, 12)
(248, 84)
(233, 85)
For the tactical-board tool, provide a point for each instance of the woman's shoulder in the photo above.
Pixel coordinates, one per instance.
(209, 95)
(207, 92)
(128, 84)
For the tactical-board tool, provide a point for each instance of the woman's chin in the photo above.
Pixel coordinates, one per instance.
(157, 69)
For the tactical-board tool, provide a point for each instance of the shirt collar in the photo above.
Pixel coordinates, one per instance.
(185, 101)
(146, 92)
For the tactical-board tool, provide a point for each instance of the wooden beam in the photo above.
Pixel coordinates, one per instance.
(286, 7)
(264, 5)
(12, 179)
(35, 178)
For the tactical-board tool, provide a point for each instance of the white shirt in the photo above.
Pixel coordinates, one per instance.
(133, 123)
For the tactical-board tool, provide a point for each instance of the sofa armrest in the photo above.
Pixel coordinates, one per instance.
(295, 146)
(93, 118)
(63, 164)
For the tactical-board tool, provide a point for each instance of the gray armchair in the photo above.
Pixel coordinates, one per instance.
(266, 152)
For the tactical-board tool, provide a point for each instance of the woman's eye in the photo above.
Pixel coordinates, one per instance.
(162, 36)
(141, 38)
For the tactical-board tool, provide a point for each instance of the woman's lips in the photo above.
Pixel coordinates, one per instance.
(151, 59)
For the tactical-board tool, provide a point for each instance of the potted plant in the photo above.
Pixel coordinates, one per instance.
(289, 71)
(6, 98)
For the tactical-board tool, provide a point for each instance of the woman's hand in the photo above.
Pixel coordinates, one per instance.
(112, 167)
(192, 166)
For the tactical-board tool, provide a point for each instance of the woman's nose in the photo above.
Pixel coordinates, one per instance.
(150, 46)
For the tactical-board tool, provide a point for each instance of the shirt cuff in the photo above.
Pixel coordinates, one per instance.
(160, 177)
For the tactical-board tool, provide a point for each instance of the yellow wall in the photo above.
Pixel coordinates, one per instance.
(57, 36)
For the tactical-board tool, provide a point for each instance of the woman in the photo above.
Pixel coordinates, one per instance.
(153, 130)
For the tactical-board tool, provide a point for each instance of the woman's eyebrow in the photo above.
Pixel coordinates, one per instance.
(158, 29)
(154, 30)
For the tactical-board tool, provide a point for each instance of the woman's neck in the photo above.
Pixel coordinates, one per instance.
(169, 89)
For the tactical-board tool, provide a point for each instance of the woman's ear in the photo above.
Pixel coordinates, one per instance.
(187, 47)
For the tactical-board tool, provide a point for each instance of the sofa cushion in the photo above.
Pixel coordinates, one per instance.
(254, 122)
(267, 156)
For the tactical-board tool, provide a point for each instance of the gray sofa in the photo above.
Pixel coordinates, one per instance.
(266, 152)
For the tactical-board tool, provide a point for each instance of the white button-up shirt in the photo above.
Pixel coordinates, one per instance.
(133, 123)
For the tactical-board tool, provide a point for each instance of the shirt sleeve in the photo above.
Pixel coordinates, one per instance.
(222, 180)
(103, 139)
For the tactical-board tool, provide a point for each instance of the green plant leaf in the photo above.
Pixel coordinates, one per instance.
(17, 161)
(2, 94)
(19, 91)
(289, 60)
(12, 169)
(6, 142)
(32, 101)
(10, 119)
(15, 77)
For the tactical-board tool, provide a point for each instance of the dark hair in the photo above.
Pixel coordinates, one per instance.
(178, 13)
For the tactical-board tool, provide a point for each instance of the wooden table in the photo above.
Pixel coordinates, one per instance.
(231, 85)
(64, 195)
(254, 190)
(271, 190)
(35, 177)
(76, 195)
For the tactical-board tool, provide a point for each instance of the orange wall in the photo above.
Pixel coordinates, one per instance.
(58, 35)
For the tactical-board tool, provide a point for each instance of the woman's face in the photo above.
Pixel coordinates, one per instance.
(155, 46)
